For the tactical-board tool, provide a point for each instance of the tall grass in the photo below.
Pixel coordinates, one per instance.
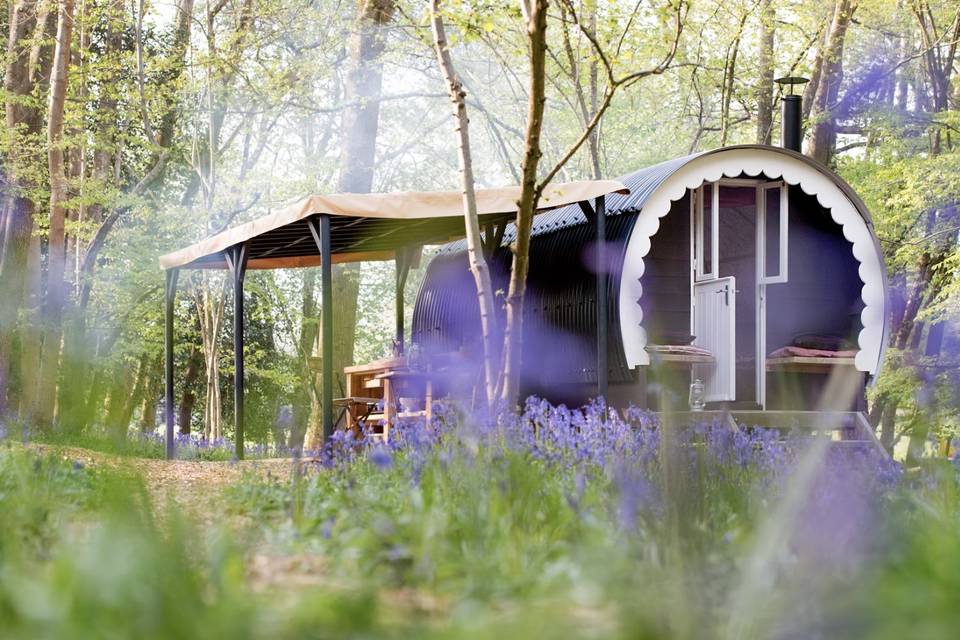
(557, 524)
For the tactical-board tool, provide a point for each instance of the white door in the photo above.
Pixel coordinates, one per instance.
(715, 313)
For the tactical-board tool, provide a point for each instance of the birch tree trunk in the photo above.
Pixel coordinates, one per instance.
(816, 70)
(189, 397)
(210, 308)
(306, 407)
(477, 261)
(729, 75)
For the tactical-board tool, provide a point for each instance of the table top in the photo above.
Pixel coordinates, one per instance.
(342, 402)
(681, 358)
(377, 365)
(405, 373)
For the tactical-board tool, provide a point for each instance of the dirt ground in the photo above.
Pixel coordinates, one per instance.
(195, 487)
(190, 484)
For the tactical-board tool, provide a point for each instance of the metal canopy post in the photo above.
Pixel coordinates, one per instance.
(320, 229)
(236, 257)
(170, 295)
(598, 216)
(600, 221)
(403, 259)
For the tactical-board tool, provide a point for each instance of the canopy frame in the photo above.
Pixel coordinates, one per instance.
(288, 250)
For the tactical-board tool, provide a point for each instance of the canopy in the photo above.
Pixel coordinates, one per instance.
(370, 226)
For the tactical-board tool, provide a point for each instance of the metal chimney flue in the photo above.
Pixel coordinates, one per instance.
(791, 131)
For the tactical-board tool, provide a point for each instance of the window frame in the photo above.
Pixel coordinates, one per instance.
(700, 274)
(783, 242)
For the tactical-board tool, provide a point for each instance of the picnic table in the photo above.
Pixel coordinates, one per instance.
(382, 392)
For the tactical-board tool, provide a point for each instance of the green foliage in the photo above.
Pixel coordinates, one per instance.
(38, 495)
(266, 84)
(463, 541)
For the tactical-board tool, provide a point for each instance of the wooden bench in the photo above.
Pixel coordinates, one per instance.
(808, 364)
(798, 381)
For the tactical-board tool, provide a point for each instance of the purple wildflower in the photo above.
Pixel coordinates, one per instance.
(381, 458)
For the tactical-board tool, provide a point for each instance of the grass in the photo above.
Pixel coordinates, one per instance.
(591, 527)
(152, 446)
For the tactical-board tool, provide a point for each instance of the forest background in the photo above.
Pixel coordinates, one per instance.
(135, 128)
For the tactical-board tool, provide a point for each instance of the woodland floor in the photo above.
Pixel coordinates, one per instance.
(192, 485)
(195, 488)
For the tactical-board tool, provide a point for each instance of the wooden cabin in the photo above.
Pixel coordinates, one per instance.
(751, 268)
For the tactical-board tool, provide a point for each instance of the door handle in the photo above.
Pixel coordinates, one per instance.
(726, 293)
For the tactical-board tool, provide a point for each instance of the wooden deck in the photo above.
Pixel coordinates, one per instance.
(845, 428)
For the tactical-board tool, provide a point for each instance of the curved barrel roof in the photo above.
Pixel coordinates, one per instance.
(644, 182)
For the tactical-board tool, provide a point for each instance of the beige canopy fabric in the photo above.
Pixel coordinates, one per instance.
(370, 226)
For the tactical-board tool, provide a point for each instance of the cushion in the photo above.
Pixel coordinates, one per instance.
(786, 352)
(822, 342)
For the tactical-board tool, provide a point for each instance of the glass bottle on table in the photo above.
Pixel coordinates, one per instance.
(697, 395)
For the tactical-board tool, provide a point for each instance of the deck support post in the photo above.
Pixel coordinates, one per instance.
(320, 229)
(170, 293)
(600, 222)
(236, 257)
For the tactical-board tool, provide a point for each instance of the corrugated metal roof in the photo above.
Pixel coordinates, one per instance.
(641, 183)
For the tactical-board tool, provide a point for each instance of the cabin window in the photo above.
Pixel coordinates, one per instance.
(773, 232)
(706, 236)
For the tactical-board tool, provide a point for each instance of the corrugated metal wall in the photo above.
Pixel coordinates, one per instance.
(559, 310)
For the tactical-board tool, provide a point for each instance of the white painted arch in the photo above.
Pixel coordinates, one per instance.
(775, 164)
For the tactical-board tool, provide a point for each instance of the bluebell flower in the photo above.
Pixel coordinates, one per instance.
(381, 458)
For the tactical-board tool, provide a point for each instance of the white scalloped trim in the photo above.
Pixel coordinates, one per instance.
(774, 165)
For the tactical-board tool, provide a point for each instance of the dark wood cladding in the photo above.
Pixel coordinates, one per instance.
(822, 295)
(666, 275)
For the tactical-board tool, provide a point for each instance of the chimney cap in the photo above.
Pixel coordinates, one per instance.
(791, 81)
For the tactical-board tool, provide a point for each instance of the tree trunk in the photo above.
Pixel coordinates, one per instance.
(888, 426)
(305, 401)
(56, 239)
(357, 158)
(152, 390)
(823, 132)
(26, 66)
(30, 337)
(768, 17)
(478, 263)
(188, 398)
(124, 386)
(816, 70)
(938, 62)
(729, 75)
(509, 386)
(210, 311)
